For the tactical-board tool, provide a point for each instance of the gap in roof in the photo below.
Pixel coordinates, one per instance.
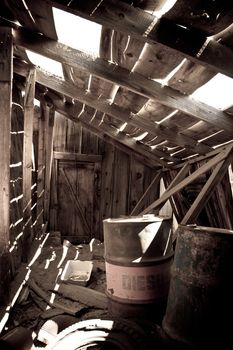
(162, 8)
(36, 102)
(217, 92)
(47, 64)
(77, 32)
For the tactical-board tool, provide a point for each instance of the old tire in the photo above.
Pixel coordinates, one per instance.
(101, 334)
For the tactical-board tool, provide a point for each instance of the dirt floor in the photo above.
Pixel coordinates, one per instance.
(45, 295)
(47, 298)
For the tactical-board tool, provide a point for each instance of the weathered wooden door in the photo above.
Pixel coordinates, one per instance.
(78, 200)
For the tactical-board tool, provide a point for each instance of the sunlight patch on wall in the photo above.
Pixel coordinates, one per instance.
(77, 32)
(217, 92)
(47, 64)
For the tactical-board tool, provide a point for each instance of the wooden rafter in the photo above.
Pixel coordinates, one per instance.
(37, 16)
(121, 76)
(125, 18)
(127, 141)
(197, 159)
(204, 168)
(207, 190)
(101, 104)
(112, 137)
(179, 177)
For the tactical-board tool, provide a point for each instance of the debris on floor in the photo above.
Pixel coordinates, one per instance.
(46, 295)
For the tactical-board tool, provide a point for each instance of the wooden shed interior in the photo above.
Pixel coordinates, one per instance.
(130, 114)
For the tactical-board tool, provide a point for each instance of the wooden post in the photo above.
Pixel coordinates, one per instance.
(6, 64)
(27, 163)
(53, 212)
(48, 157)
(96, 201)
(41, 171)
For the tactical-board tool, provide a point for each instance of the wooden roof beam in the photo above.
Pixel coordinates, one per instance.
(115, 111)
(135, 22)
(121, 76)
(112, 136)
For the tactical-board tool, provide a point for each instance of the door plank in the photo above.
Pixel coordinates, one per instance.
(78, 205)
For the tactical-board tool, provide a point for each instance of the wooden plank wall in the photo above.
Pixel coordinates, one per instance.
(16, 180)
(36, 186)
(123, 179)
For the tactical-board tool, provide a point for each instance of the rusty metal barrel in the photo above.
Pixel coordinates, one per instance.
(138, 258)
(200, 298)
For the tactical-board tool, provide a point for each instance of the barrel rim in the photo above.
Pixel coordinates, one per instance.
(128, 301)
(137, 219)
(208, 229)
(151, 262)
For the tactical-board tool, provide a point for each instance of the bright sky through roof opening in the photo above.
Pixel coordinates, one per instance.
(217, 92)
(72, 31)
(50, 66)
(77, 32)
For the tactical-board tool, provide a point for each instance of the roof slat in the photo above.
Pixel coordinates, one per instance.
(114, 110)
(43, 16)
(135, 22)
(23, 16)
(157, 61)
(190, 76)
(209, 17)
(132, 81)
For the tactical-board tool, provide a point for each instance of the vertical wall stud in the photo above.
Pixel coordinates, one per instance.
(6, 64)
(27, 163)
(41, 170)
(48, 158)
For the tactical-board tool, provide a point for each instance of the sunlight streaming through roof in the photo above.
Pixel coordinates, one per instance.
(162, 8)
(47, 64)
(77, 32)
(217, 92)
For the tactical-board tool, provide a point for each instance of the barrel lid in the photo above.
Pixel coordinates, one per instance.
(137, 219)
